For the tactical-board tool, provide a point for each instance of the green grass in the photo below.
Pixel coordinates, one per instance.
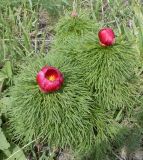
(16, 25)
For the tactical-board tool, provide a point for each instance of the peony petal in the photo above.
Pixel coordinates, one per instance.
(44, 69)
(40, 77)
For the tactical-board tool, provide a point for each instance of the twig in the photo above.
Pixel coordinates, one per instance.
(92, 9)
(74, 5)
(22, 148)
(120, 158)
(19, 39)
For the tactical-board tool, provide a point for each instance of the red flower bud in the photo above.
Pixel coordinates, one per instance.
(49, 79)
(106, 37)
(74, 14)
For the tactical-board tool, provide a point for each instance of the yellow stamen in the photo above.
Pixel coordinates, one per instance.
(51, 78)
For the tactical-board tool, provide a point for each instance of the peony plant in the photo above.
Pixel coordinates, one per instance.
(108, 66)
(73, 25)
(50, 103)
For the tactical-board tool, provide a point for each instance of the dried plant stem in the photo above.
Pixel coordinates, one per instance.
(22, 148)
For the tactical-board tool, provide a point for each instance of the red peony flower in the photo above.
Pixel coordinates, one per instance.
(106, 37)
(74, 14)
(49, 79)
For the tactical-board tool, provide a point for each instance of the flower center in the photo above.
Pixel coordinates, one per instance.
(51, 77)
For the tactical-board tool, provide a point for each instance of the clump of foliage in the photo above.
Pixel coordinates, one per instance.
(111, 75)
(58, 117)
(108, 71)
(62, 118)
(74, 25)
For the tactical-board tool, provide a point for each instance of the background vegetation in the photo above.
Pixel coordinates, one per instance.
(27, 29)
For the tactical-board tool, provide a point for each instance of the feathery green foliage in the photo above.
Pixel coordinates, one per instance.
(62, 117)
(105, 130)
(70, 27)
(68, 118)
(108, 71)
